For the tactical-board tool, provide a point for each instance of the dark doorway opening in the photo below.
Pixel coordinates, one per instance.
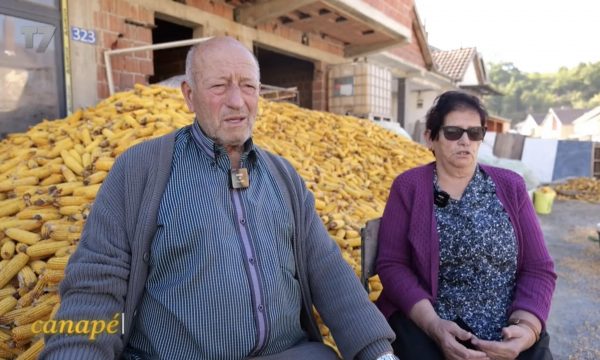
(169, 62)
(286, 71)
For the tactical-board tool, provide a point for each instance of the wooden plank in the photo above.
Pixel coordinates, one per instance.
(351, 51)
(264, 11)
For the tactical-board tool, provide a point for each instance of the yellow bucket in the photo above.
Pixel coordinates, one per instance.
(543, 199)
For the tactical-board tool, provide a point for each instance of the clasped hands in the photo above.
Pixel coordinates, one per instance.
(515, 339)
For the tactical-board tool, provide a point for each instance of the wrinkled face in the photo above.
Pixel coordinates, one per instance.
(224, 95)
(461, 153)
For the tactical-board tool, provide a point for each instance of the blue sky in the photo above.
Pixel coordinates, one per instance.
(535, 35)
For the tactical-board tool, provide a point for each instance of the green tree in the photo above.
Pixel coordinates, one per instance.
(524, 93)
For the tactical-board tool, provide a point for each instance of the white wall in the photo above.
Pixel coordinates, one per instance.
(470, 77)
(539, 156)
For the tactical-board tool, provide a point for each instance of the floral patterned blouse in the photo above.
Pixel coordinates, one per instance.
(478, 259)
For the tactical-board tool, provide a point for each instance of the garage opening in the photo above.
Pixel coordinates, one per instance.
(169, 62)
(285, 71)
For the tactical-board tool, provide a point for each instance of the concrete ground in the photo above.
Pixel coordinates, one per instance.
(574, 322)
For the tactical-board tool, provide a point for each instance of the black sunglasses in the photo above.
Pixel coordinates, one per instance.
(454, 133)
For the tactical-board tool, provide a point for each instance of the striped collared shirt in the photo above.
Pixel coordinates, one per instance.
(221, 282)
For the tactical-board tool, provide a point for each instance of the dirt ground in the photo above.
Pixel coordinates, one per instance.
(574, 322)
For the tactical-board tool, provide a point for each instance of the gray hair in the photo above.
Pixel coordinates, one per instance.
(191, 55)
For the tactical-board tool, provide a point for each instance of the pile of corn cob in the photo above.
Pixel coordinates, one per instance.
(586, 189)
(49, 177)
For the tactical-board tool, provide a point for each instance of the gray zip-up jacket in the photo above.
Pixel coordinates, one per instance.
(108, 272)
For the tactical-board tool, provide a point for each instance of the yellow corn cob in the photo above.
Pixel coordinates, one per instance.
(93, 145)
(7, 250)
(42, 213)
(9, 207)
(54, 276)
(59, 146)
(68, 174)
(71, 200)
(52, 179)
(87, 191)
(58, 263)
(9, 184)
(51, 298)
(9, 350)
(22, 333)
(8, 290)
(7, 304)
(21, 248)
(65, 235)
(68, 187)
(33, 313)
(55, 310)
(95, 178)
(27, 278)
(5, 336)
(71, 162)
(75, 154)
(104, 163)
(38, 200)
(85, 136)
(38, 266)
(68, 250)
(12, 268)
(354, 242)
(33, 351)
(10, 316)
(49, 247)
(23, 236)
(86, 160)
(352, 234)
(33, 294)
(70, 210)
(39, 173)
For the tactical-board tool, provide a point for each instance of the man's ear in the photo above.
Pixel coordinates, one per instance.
(186, 90)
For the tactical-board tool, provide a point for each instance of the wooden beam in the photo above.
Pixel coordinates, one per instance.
(212, 24)
(267, 10)
(352, 51)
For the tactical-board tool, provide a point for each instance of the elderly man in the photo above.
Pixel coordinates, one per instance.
(210, 246)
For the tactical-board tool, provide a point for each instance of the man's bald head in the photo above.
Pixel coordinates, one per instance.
(200, 52)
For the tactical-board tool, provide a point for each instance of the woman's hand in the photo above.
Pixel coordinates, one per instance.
(515, 339)
(445, 333)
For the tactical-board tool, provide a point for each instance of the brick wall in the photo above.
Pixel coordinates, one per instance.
(114, 33)
(319, 87)
(399, 10)
(412, 52)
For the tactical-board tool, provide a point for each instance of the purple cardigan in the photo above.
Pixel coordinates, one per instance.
(408, 255)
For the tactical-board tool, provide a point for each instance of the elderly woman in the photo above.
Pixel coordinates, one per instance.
(462, 258)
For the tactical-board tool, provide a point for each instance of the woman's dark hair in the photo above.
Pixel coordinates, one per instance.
(448, 102)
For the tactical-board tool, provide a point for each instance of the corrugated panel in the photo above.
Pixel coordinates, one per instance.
(573, 159)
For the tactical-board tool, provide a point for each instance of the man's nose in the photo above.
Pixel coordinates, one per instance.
(234, 97)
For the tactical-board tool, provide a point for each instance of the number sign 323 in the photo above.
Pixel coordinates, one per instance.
(83, 35)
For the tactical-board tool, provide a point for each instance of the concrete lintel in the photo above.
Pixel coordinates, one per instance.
(352, 51)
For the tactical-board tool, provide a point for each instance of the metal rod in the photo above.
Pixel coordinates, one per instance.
(166, 45)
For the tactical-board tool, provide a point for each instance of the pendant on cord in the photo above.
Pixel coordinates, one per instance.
(239, 178)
